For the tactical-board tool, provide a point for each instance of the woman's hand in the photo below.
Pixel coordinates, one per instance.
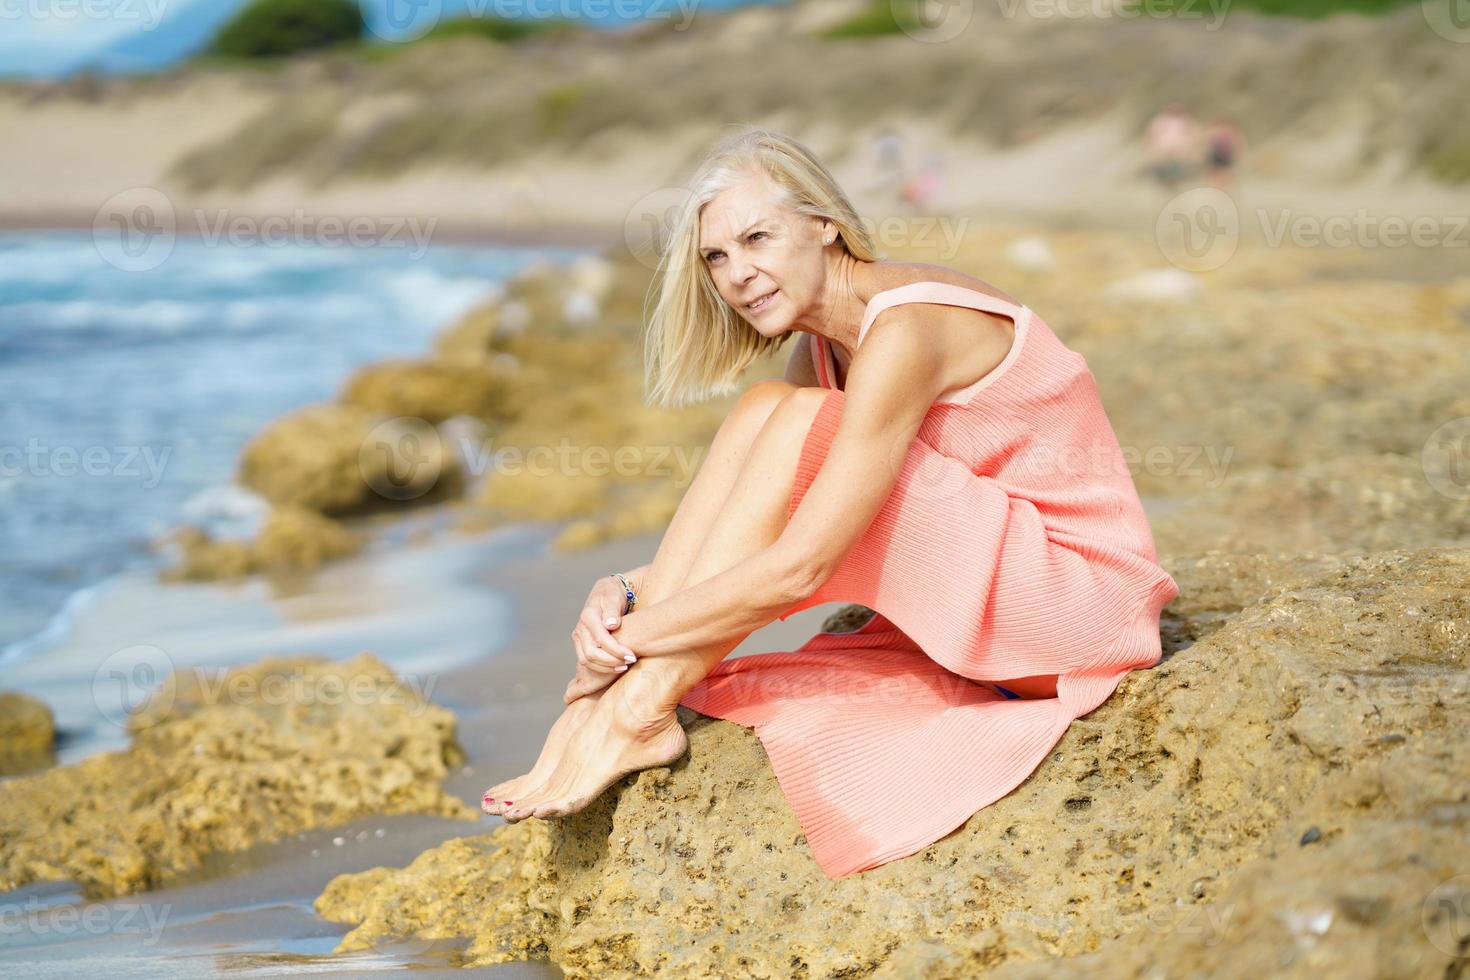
(597, 649)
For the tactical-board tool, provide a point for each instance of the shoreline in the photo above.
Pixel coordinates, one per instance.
(254, 907)
(591, 236)
(1128, 210)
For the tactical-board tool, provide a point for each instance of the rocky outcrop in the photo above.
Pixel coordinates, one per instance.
(27, 733)
(348, 459)
(291, 539)
(1287, 792)
(222, 761)
(436, 391)
(528, 408)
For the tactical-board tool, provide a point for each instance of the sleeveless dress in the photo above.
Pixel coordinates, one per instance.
(1015, 583)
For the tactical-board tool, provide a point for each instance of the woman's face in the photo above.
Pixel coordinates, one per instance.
(753, 246)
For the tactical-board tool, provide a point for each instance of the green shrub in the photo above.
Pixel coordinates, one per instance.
(1451, 162)
(1304, 9)
(558, 103)
(277, 28)
(504, 29)
(883, 17)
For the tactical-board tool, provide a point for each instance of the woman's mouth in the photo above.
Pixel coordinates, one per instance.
(763, 302)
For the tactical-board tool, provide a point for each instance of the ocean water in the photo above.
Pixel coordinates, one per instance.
(126, 397)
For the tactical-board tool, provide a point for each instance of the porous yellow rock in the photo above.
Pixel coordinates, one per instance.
(1287, 790)
(222, 760)
(27, 733)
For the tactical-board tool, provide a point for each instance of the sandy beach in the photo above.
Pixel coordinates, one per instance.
(1281, 795)
(250, 913)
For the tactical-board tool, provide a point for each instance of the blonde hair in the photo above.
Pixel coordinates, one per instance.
(696, 345)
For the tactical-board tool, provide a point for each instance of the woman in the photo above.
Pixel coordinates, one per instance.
(935, 454)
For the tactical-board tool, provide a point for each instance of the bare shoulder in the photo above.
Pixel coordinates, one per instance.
(891, 275)
(952, 326)
(969, 342)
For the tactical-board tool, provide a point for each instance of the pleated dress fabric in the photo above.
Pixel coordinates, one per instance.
(1015, 583)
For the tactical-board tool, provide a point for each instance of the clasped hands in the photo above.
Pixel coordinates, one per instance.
(598, 650)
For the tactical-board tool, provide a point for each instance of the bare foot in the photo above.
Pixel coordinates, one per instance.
(620, 737)
(496, 797)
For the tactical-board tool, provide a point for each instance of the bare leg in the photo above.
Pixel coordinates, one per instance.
(634, 726)
(681, 544)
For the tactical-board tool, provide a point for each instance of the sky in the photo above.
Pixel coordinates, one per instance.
(50, 38)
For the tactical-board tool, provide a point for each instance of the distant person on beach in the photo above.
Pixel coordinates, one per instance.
(934, 454)
(1172, 146)
(888, 161)
(926, 186)
(1224, 144)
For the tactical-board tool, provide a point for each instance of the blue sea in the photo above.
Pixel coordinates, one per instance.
(127, 396)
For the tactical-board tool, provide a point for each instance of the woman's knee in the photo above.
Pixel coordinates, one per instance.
(786, 427)
(761, 398)
(752, 409)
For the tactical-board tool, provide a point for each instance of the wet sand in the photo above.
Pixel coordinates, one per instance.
(251, 912)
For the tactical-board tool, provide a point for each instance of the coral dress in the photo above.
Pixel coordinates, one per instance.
(1014, 579)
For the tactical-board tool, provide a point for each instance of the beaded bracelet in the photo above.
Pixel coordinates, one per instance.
(628, 589)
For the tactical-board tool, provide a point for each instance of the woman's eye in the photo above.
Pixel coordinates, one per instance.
(754, 235)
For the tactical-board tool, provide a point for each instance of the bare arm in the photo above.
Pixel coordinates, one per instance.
(891, 386)
(800, 371)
